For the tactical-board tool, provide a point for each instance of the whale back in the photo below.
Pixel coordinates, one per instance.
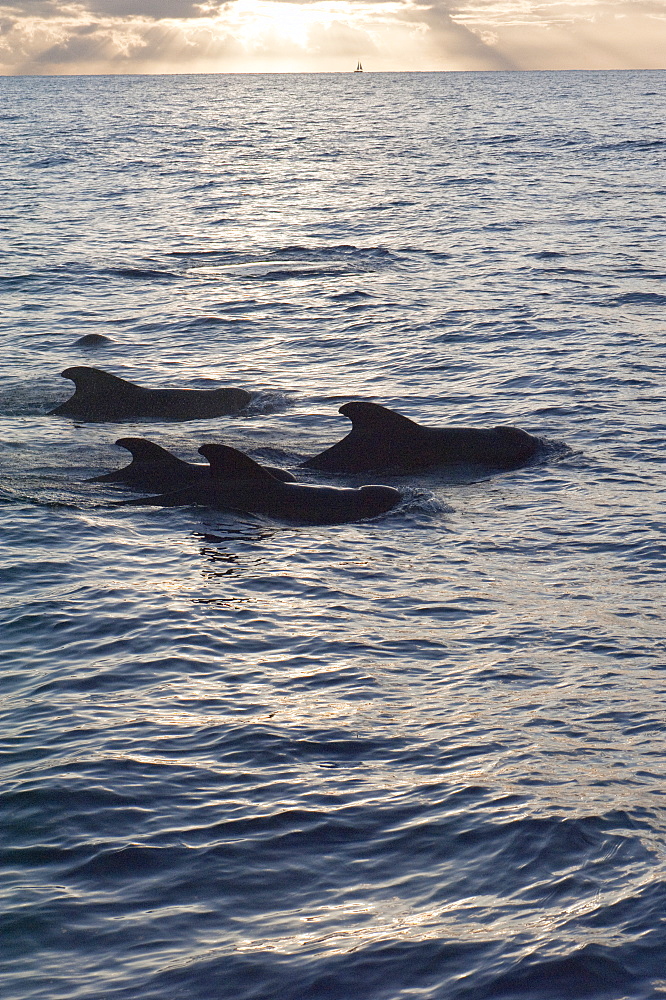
(143, 450)
(379, 438)
(229, 463)
(86, 377)
(100, 396)
(240, 482)
(243, 483)
(152, 467)
(383, 439)
(369, 417)
(237, 482)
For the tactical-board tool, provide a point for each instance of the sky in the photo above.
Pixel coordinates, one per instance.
(239, 36)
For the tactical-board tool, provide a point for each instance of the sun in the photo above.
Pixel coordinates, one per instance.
(259, 21)
(258, 24)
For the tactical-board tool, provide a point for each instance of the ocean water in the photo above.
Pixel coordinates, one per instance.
(420, 756)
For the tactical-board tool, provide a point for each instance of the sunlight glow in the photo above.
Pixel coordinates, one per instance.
(255, 36)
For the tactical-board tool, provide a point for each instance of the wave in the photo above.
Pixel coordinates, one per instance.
(632, 145)
(140, 273)
(637, 298)
(51, 161)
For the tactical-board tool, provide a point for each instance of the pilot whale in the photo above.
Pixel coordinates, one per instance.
(92, 340)
(383, 439)
(239, 483)
(155, 468)
(101, 396)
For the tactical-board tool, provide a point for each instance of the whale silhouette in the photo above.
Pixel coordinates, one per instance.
(383, 439)
(239, 483)
(101, 396)
(92, 340)
(155, 468)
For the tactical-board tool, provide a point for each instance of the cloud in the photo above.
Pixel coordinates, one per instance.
(156, 36)
(556, 34)
(465, 49)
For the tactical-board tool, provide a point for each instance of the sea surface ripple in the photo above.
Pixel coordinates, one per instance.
(418, 756)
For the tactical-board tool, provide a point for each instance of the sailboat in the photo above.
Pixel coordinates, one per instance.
(359, 68)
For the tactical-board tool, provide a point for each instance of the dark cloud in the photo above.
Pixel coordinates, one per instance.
(469, 48)
(82, 45)
(152, 9)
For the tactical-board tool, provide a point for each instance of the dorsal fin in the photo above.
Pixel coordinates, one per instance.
(146, 451)
(229, 463)
(85, 378)
(372, 416)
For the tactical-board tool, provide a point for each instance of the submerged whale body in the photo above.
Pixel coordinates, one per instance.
(383, 439)
(155, 468)
(92, 340)
(101, 396)
(237, 482)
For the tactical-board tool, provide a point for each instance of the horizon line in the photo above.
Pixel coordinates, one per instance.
(340, 72)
